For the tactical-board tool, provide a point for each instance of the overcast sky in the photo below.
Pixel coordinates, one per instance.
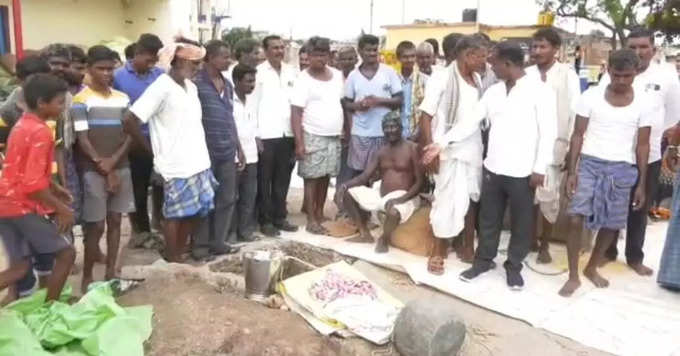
(344, 19)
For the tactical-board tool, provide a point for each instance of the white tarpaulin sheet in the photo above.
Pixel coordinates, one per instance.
(632, 317)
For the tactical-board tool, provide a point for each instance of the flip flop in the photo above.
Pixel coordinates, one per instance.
(316, 230)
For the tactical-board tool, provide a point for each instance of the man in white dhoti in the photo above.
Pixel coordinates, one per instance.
(453, 134)
(564, 81)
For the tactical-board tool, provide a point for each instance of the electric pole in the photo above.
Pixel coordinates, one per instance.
(371, 24)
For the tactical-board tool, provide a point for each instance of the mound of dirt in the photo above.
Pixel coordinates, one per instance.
(192, 318)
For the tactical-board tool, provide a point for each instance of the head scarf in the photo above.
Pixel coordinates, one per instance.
(181, 50)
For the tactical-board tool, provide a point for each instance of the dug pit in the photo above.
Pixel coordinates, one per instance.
(300, 258)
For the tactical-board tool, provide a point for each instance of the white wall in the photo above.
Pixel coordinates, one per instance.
(83, 22)
(148, 16)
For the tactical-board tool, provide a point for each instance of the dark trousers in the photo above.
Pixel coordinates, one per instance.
(275, 166)
(214, 230)
(497, 190)
(141, 167)
(346, 173)
(243, 223)
(637, 220)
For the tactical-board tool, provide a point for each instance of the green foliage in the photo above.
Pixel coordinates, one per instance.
(614, 15)
(665, 18)
(236, 34)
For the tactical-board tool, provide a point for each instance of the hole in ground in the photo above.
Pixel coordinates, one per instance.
(309, 254)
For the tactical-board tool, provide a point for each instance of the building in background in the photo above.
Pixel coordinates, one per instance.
(89, 22)
(418, 32)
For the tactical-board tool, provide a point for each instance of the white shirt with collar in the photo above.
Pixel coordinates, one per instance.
(663, 88)
(271, 100)
(246, 127)
(523, 127)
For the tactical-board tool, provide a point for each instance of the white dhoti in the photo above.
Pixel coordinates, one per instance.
(456, 184)
(548, 196)
(369, 199)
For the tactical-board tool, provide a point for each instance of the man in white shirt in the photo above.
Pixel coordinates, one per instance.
(663, 88)
(271, 100)
(246, 51)
(616, 122)
(171, 107)
(449, 106)
(317, 120)
(347, 62)
(243, 77)
(449, 48)
(565, 83)
(521, 112)
(425, 58)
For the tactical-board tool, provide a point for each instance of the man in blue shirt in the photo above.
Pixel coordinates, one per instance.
(133, 78)
(217, 103)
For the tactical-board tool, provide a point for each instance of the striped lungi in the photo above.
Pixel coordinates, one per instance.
(187, 197)
(603, 192)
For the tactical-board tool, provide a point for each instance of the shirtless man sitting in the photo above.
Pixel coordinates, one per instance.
(402, 178)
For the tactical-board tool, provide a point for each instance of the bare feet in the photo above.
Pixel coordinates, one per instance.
(568, 289)
(596, 278)
(641, 269)
(544, 255)
(84, 284)
(111, 275)
(466, 254)
(382, 245)
(364, 238)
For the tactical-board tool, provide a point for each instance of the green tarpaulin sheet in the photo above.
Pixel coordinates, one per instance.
(94, 326)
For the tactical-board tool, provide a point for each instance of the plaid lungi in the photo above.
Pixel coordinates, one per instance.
(187, 197)
(669, 269)
(322, 156)
(603, 193)
(361, 149)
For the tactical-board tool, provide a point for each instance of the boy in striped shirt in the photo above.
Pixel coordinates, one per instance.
(101, 156)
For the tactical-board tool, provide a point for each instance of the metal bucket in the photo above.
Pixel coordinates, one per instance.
(262, 269)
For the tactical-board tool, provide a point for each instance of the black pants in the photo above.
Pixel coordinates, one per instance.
(243, 223)
(275, 166)
(496, 191)
(346, 173)
(213, 231)
(141, 166)
(637, 220)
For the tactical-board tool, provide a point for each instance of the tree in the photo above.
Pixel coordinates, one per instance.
(615, 15)
(665, 18)
(236, 34)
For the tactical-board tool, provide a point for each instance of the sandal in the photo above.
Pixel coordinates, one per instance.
(435, 265)
(316, 229)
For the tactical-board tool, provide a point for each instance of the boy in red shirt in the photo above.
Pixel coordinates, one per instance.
(27, 192)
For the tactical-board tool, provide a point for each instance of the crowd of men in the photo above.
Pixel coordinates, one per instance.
(215, 132)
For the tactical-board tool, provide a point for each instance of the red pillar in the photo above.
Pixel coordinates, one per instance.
(18, 29)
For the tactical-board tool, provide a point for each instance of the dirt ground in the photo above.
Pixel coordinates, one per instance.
(193, 318)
